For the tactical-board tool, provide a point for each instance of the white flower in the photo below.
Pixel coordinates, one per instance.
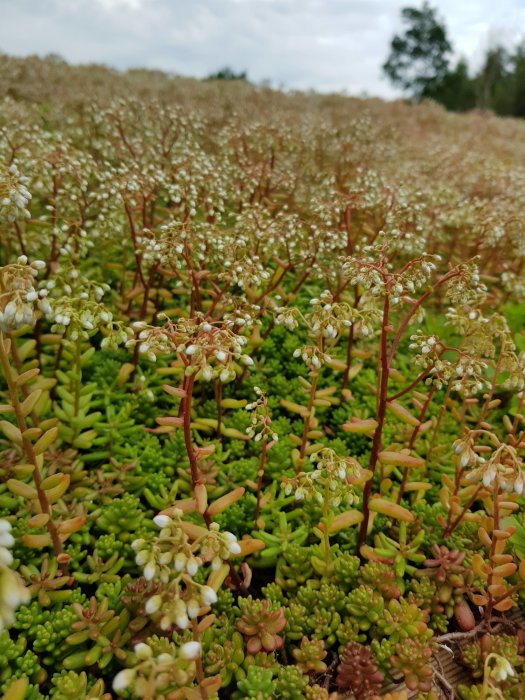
(142, 557)
(162, 520)
(207, 373)
(193, 608)
(153, 604)
(502, 668)
(123, 679)
(190, 651)
(192, 566)
(179, 562)
(209, 597)
(149, 571)
(235, 548)
(181, 621)
(143, 651)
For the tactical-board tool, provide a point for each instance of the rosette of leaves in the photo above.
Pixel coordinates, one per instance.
(101, 633)
(452, 580)
(413, 659)
(366, 606)
(402, 620)
(17, 661)
(291, 683)
(69, 685)
(358, 671)
(260, 622)
(474, 654)
(309, 656)
(382, 578)
(258, 684)
(224, 656)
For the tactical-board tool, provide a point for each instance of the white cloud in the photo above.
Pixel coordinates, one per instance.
(301, 44)
(112, 5)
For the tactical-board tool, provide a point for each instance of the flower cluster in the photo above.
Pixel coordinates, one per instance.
(288, 317)
(464, 449)
(260, 421)
(156, 674)
(464, 374)
(466, 287)
(514, 366)
(479, 333)
(505, 467)
(12, 591)
(174, 557)
(313, 357)
(331, 480)
(328, 318)
(208, 348)
(365, 274)
(370, 271)
(14, 195)
(19, 300)
(243, 269)
(77, 309)
(324, 323)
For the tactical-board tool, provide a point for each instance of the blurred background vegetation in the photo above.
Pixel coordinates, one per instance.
(420, 63)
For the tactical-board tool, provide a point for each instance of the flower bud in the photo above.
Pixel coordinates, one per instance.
(123, 679)
(190, 651)
(162, 520)
(143, 651)
(208, 595)
(153, 604)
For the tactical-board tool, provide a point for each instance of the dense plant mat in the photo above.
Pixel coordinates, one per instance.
(261, 392)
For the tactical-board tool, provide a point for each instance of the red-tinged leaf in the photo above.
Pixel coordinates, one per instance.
(172, 421)
(504, 605)
(174, 391)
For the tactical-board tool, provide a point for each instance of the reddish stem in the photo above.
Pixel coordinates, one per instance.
(28, 448)
(412, 440)
(260, 476)
(381, 410)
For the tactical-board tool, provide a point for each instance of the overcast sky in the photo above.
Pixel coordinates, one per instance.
(328, 45)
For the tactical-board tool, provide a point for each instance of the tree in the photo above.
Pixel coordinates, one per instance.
(518, 62)
(418, 59)
(457, 90)
(228, 74)
(494, 82)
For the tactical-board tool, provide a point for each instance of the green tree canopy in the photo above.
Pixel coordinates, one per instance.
(227, 74)
(418, 59)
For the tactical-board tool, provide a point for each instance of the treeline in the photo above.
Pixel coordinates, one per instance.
(499, 85)
(419, 62)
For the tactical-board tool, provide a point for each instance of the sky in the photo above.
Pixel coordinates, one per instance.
(325, 45)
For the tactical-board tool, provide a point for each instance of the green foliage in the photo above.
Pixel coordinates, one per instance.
(418, 59)
(258, 685)
(291, 683)
(227, 74)
(258, 417)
